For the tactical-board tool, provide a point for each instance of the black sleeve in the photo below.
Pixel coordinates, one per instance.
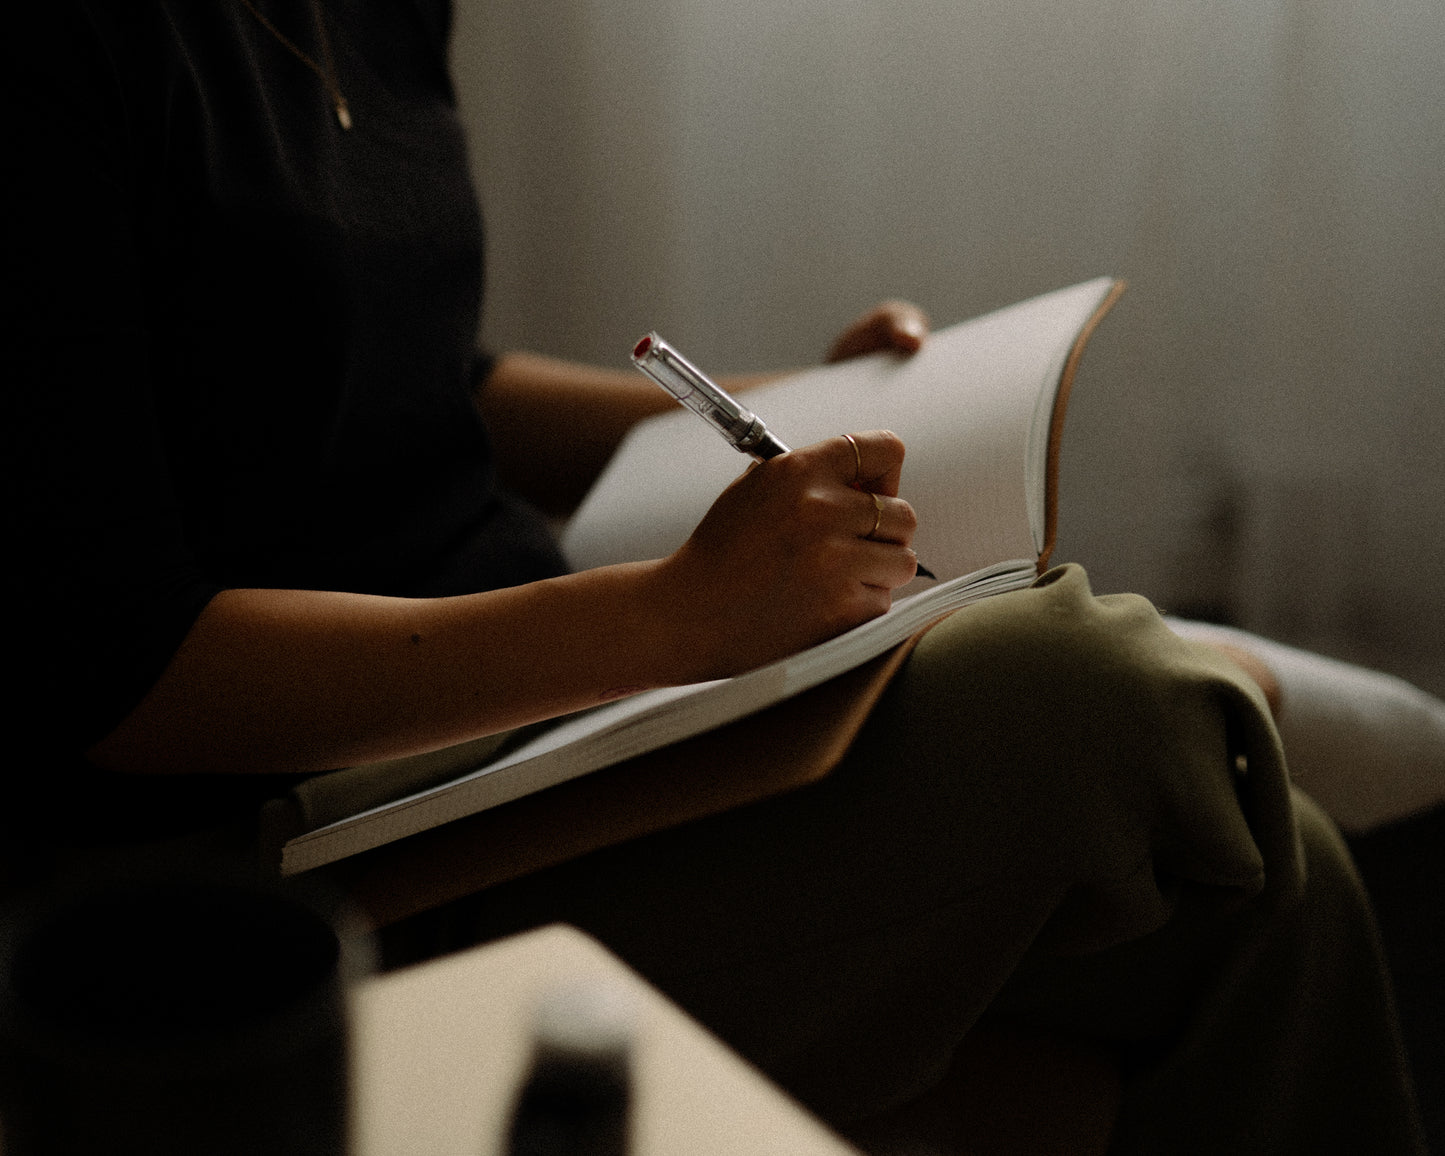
(106, 589)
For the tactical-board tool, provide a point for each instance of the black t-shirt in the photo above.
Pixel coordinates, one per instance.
(244, 350)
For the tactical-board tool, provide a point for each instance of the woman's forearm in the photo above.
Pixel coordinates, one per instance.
(294, 681)
(299, 680)
(555, 423)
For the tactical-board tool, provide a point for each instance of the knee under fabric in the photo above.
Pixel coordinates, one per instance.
(1135, 760)
(1050, 775)
(1368, 747)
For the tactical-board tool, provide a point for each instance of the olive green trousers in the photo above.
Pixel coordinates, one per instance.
(1058, 815)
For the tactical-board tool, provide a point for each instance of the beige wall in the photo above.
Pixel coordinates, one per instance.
(1259, 424)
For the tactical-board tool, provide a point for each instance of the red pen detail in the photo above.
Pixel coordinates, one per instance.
(642, 346)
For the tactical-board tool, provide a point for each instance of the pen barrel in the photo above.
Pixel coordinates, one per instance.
(742, 428)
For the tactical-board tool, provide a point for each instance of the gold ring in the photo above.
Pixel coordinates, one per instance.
(857, 462)
(877, 515)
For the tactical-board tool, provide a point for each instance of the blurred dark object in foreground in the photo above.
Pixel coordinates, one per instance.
(575, 1099)
(173, 1014)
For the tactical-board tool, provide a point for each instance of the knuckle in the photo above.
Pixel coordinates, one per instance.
(816, 509)
(903, 569)
(890, 442)
(884, 452)
(830, 560)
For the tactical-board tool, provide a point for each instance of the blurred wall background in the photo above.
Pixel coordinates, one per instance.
(1257, 431)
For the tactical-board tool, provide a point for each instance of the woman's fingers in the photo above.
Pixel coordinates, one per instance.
(889, 520)
(899, 326)
(870, 461)
(884, 566)
(801, 547)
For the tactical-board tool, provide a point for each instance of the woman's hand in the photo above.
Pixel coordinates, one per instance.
(899, 326)
(798, 549)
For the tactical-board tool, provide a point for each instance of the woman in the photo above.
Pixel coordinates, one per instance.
(261, 536)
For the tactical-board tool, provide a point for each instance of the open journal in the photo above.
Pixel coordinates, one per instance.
(980, 408)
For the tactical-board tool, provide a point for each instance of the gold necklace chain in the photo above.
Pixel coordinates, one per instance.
(327, 74)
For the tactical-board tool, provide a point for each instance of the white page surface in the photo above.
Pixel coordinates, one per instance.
(967, 406)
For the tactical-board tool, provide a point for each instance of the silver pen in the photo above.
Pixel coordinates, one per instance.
(740, 427)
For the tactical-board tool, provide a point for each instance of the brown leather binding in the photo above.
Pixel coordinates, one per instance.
(1056, 424)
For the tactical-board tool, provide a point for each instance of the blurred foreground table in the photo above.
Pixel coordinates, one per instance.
(441, 1049)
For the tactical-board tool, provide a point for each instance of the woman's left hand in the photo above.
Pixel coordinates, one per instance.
(899, 326)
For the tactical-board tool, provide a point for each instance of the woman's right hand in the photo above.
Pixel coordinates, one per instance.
(798, 549)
